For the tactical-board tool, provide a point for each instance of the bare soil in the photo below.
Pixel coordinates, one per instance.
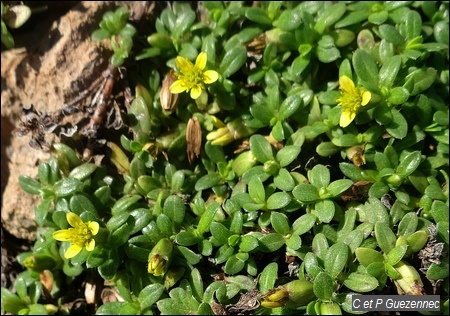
(54, 62)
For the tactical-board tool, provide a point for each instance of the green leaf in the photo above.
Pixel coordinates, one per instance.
(258, 15)
(390, 34)
(280, 223)
(268, 277)
(385, 237)
(306, 193)
(235, 264)
(261, 148)
(29, 185)
(271, 242)
(80, 204)
(409, 163)
(398, 95)
(208, 181)
(329, 16)
(336, 259)
(438, 271)
(320, 245)
(232, 61)
(319, 176)
(323, 286)
(408, 225)
(351, 171)
(396, 254)
(312, 265)
(66, 187)
(288, 20)
(223, 253)
(303, 224)
(354, 239)
(439, 211)
(289, 106)
(365, 67)
(422, 79)
(179, 303)
(207, 218)
(174, 208)
(256, 191)
(142, 217)
(327, 149)
(293, 242)
(185, 19)
(416, 242)
(186, 238)
(324, 210)
(124, 203)
(360, 282)
(336, 188)
(150, 295)
(248, 243)
(442, 228)
(278, 200)
(220, 232)
(190, 256)
(287, 154)
(284, 180)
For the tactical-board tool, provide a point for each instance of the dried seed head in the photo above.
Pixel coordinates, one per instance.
(168, 100)
(193, 138)
(356, 155)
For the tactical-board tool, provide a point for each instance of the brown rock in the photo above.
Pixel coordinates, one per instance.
(47, 73)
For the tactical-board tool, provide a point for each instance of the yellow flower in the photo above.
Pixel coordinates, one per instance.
(80, 236)
(192, 77)
(351, 100)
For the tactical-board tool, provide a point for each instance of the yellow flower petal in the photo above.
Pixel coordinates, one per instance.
(366, 96)
(62, 235)
(183, 64)
(200, 62)
(90, 245)
(346, 83)
(346, 118)
(93, 227)
(74, 220)
(72, 251)
(177, 87)
(196, 92)
(210, 76)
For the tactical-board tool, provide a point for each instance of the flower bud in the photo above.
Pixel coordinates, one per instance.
(243, 162)
(293, 294)
(159, 257)
(330, 308)
(271, 167)
(395, 180)
(39, 263)
(168, 99)
(193, 138)
(409, 282)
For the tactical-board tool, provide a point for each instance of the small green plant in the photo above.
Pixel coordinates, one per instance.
(280, 159)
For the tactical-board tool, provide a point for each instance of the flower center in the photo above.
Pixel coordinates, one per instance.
(351, 99)
(80, 235)
(193, 77)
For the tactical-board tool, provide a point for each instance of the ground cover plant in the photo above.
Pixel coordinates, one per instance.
(272, 158)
